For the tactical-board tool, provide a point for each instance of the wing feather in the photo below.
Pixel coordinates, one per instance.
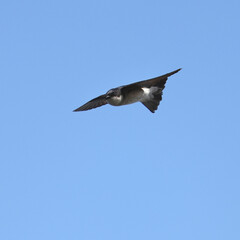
(157, 81)
(94, 103)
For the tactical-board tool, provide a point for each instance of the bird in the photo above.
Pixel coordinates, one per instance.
(148, 92)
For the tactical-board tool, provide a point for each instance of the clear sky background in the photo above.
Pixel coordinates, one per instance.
(119, 172)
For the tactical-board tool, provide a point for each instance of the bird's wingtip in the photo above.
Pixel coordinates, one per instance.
(178, 70)
(171, 73)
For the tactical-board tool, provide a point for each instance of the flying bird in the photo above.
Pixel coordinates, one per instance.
(148, 92)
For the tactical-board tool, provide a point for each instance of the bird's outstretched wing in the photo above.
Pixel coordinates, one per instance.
(157, 81)
(94, 103)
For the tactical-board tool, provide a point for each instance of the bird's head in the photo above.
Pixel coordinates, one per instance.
(115, 92)
(114, 97)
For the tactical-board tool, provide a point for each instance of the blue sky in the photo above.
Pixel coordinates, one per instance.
(119, 172)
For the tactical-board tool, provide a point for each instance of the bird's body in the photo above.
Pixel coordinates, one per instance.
(134, 96)
(148, 92)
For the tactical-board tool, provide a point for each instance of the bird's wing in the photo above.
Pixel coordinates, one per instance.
(157, 81)
(94, 103)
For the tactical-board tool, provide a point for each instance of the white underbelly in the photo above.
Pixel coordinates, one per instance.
(115, 101)
(132, 97)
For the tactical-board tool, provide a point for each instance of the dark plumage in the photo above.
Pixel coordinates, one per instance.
(148, 92)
